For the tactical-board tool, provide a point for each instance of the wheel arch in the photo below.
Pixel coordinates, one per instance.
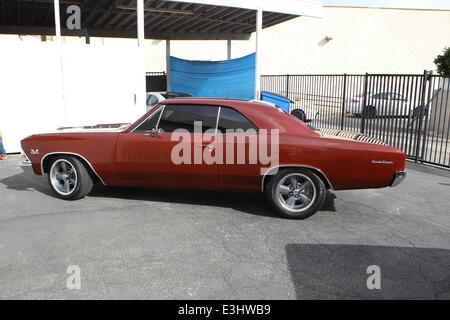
(47, 159)
(272, 171)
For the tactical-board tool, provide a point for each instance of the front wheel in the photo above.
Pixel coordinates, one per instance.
(69, 178)
(296, 193)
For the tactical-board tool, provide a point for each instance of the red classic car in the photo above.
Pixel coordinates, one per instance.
(230, 151)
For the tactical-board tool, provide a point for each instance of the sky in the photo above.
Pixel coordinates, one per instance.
(407, 4)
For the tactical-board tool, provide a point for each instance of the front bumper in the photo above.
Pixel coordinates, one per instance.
(399, 177)
(27, 167)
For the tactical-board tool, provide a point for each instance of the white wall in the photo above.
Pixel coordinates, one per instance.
(100, 83)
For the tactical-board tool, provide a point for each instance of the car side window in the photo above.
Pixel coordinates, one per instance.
(381, 96)
(150, 123)
(178, 116)
(151, 101)
(232, 119)
(396, 96)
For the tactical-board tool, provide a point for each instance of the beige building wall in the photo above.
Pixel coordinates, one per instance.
(363, 40)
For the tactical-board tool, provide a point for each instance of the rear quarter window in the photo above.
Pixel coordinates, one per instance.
(231, 119)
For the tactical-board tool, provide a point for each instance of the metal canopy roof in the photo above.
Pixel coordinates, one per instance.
(175, 20)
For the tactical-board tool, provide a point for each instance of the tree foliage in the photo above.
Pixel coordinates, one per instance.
(442, 62)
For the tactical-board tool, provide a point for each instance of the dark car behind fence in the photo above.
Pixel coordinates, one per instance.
(409, 112)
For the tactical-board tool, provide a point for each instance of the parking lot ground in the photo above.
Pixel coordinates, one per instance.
(139, 243)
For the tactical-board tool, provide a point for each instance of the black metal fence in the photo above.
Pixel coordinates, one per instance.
(156, 81)
(409, 112)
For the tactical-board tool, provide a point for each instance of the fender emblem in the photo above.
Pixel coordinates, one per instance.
(34, 151)
(382, 162)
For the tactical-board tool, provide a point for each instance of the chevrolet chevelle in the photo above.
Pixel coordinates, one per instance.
(309, 161)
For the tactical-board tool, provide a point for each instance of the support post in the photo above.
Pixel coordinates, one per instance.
(141, 84)
(287, 85)
(60, 55)
(425, 110)
(259, 24)
(421, 114)
(363, 112)
(57, 21)
(229, 49)
(344, 98)
(168, 65)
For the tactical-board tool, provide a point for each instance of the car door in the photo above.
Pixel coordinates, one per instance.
(147, 155)
(241, 168)
(382, 102)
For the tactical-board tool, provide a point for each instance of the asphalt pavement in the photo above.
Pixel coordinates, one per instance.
(146, 243)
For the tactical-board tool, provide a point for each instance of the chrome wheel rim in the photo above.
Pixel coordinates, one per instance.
(296, 192)
(63, 177)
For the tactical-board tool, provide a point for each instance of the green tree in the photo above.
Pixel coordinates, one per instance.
(442, 62)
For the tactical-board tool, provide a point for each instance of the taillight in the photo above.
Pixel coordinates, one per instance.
(355, 101)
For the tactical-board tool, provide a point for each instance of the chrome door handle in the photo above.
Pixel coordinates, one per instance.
(152, 133)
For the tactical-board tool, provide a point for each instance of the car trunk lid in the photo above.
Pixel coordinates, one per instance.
(348, 135)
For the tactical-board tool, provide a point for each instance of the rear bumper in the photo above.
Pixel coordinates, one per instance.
(27, 167)
(399, 177)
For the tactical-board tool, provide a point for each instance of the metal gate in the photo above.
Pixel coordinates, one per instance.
(156, 81)
(409, 112)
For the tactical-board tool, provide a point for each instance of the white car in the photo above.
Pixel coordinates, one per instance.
(305, 111)
(380, 104)
(154, 98)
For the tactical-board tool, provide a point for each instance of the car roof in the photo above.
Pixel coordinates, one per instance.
(264, 115)
(226, 102)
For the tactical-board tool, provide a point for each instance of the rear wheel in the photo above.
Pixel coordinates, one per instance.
(296, 193)
(300, 114)
(69, 178)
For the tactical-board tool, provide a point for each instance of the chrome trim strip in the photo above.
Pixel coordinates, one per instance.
(157, 110)
(294, 166)
(217, 120)
(160, 116)
(71, 153)
(398, 178)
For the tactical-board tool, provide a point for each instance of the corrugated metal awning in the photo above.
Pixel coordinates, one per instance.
(310, 8)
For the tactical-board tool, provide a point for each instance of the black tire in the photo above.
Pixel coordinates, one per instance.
(317, 200)
(419, 111)
(84, 182)
(369, 112)
(300, 114)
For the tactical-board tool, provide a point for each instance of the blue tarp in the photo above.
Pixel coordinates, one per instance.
(226, 79)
